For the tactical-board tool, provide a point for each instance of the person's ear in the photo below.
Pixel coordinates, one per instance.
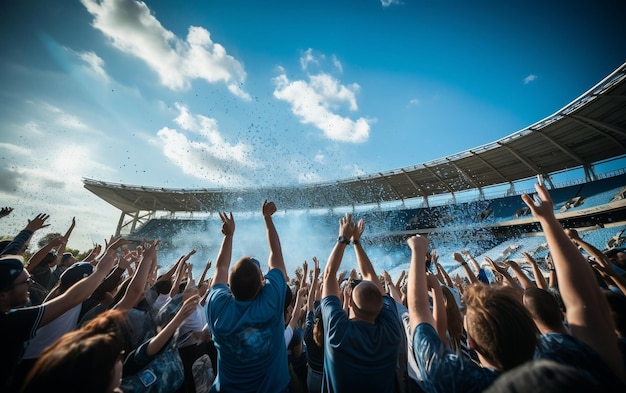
(471, 343)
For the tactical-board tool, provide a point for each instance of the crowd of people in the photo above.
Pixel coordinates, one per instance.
(114, 322)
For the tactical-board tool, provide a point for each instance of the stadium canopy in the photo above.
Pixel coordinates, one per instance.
(589, 130)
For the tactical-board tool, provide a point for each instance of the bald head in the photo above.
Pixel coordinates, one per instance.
(245, 279)
(367, 301)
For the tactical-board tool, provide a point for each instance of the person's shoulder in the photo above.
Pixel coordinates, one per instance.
(219, 291)
(276, 275)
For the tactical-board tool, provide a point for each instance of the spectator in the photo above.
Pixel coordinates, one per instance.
(593, 344)
(360, 351)
(246, 318)
(19, 325)
(498, 328)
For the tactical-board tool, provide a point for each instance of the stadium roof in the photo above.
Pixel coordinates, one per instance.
(591, 129)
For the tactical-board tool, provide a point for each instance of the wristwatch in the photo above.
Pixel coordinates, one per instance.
(344, 240)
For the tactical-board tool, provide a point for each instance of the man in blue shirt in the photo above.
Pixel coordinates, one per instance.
(246, 316)
(361, 350)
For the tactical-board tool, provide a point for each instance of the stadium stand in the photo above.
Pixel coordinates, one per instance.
(588, 133)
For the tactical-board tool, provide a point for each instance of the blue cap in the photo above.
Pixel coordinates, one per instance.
(75, 273)
(11, 266)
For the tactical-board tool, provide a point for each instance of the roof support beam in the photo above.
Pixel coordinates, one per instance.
(506, 180)
(570, 153)
(578, 120)
(467, 177)
(450, 190)
(527, 162)
(419, 189)
(587, 121)
(398, 196)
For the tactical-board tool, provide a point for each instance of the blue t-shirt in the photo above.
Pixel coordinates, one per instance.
(444, 371)
(249, 337)
(566, 349)
(360, 356)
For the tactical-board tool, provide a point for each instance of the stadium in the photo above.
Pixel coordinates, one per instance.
(468, 200)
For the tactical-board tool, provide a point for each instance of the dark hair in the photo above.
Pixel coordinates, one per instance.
(163, 287)
(245, 279)
(288, 299)
(617, 303)
(48, 259)
(543, 307)
(613, 252)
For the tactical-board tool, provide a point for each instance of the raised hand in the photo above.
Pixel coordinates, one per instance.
(346, 226)
(417, 242)
(269, 208)
(540, 205)
(38, 222)
(495, 267)
(572, 234)
(317, 266)
(228, 224)
(5, 211)
(458, 257)
(358, 231)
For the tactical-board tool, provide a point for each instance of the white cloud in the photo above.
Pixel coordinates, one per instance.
(315, 102)
(337, 64)
(95, 64)
(309, 178)
(202, 152)
(387, 3)
(135, 31)
(530, 78)
(414, 101)
(355, 170)
(307, 58)
(319, 158)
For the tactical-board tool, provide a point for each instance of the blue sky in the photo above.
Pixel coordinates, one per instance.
(210, 94)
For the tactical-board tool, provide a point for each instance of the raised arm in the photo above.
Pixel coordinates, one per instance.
(417, 291)
(81, 291)
(503, 271)
(439, 308)
(365, 265)
(37, 257)
(158, 342)
(444, 274)
(468, 272)
(520, 275)
(393, 290)
(5, 211)
(540, 280)
(170, 272)
(331, 286)
(204, 272)
(275, 259)
(471, 259)
(137, 285)
(588, 313)
(16, 247)
(224, 256)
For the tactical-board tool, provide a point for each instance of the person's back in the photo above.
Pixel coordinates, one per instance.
(360, 356)
(248, 336)
(361, 351)
(245, 316)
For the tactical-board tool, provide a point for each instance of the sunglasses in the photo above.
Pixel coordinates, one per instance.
(28, 281)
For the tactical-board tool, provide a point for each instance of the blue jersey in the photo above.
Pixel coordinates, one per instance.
(249, 337)
(444, 371)
(360, 356)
